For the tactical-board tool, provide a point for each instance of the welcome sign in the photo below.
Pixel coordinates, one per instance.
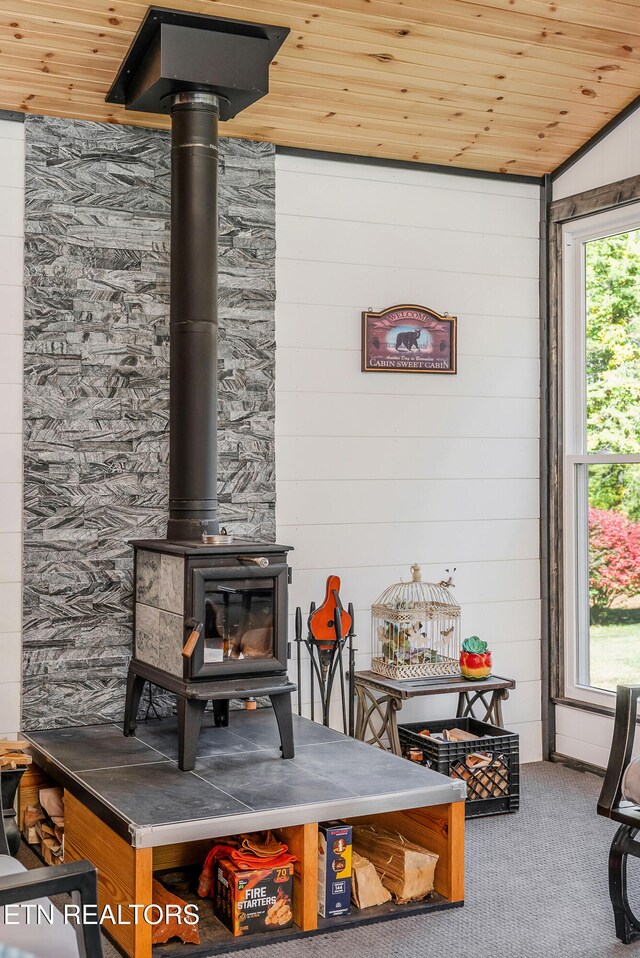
(409, 339)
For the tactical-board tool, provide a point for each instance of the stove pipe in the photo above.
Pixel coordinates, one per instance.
(193, 501)
(199, 69)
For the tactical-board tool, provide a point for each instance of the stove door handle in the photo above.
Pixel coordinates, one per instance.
(260, 561)
(192, 641)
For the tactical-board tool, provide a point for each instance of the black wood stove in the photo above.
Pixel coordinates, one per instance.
(210, 618)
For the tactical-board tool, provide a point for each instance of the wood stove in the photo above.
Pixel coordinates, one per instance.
(234, 597)
(210, 614)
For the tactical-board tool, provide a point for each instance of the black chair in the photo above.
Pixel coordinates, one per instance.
(19, 886)
(612, 805)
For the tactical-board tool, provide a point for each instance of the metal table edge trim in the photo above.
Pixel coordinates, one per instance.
(152, 836)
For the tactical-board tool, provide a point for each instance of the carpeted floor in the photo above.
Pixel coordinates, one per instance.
(536, 887)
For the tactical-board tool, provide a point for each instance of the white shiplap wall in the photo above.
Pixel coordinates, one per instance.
(614, 158)
(11, 313)
(376, 471)
(579, 734)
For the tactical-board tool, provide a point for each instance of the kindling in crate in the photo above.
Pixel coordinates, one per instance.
(484, 756)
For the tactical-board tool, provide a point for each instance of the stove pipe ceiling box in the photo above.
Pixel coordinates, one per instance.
(175, 52)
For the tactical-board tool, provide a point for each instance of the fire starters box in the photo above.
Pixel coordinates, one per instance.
(334, 868)
(251, 900)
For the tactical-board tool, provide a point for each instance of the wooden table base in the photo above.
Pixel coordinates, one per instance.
(125, 873)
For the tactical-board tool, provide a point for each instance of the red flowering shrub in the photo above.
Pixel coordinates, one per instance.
(614, 559)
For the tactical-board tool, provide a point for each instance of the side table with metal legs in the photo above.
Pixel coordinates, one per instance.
(380, 699)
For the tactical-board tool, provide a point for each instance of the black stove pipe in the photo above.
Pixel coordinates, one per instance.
(193, 501)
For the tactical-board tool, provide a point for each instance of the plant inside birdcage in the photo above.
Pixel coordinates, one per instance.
(416, 629)
(405, 644)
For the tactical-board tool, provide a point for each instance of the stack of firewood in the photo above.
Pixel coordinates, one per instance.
(44, 825)
(406, 870)
(12, 755)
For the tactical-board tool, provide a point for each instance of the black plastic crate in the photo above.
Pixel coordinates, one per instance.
(450, 758)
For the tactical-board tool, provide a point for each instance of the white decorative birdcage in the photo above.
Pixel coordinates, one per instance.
(416, 630)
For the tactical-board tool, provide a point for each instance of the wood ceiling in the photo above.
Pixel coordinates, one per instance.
(503, 85)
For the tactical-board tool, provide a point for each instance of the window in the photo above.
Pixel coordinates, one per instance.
(601, 453)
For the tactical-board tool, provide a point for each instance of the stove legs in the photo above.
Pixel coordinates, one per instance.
(190, 715)
(221, 713)
(135, 685)
(282, 708)
(192, 699)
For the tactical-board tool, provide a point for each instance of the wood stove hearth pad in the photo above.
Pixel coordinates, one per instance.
(239, 783)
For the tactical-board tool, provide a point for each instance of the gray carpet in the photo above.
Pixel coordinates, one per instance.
(536, 887)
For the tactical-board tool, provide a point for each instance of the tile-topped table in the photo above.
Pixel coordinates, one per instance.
(131, 811)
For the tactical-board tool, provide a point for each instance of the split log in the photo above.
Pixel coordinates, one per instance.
(14, 760)
(32, 815)
(52, 801)
(405, 869)
(15, 745)
(31, 834)
(366, 888)
(51, 851)
(45, 830)
(171, 927)
(461, 735)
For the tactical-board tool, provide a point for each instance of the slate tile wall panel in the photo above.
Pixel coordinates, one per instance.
(96, 390)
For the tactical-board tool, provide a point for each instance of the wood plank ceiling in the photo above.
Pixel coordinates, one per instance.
(504, 85)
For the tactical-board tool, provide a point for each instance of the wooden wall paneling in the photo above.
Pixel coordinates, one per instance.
(489, 21)
(620, 16)
(595, 200)
(422, 500)
(445, 53)
(514, 89)
(371, 83)
(509, 540)
(487, 583)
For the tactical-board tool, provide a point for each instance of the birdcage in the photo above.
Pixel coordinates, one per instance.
(416, 630)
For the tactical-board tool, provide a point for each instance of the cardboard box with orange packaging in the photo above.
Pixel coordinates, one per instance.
(252, 900)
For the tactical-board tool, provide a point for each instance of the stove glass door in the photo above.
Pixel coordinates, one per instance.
(239, 620)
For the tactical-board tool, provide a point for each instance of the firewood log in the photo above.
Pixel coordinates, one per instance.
(461, 735)
(405, 869)
(366, 888)
(52, 801)
(17, 745)
(171, 928)
(33, 814)
(14, 760)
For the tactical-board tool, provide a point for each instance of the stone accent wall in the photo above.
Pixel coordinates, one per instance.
(96, 390)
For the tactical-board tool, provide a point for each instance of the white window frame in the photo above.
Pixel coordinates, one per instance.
(575, 459)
